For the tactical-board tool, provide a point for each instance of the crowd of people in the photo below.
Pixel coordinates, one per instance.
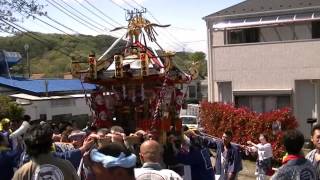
(31, 151)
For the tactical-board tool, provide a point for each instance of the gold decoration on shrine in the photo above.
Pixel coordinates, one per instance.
(194, 70)
(144, 64)
(92, 65)
(118, 60)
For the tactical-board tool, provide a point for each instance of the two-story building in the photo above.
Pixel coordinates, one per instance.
(265, 54)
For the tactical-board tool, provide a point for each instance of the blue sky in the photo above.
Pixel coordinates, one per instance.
(187, 31)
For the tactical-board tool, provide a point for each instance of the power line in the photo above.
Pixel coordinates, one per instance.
(50, 18)
(53, 20)
(64, 11)
(128, 4)
(27, 33)
(48, 24)
(118, 5)
(94, 7)
(79, 13)
(103, 19)
(106, 29)
(15, 27)
(85, 16)
(178, 42)
(73, 37)
(137, 4)
(90, 19)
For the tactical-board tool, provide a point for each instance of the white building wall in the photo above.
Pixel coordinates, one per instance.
(45, 107)
(218, 38)
(267, 65)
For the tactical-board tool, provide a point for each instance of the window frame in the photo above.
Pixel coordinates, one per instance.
(264, 97)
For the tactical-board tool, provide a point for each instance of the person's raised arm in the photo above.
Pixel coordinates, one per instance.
(209, 142)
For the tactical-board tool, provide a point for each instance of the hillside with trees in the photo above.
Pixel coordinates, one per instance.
(52, 55)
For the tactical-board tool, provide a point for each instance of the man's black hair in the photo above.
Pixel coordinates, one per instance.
(185, 128)
(228, 133)
(293, 141)
(39, 140)
(314, 128)
(27, 118)
(114, 149)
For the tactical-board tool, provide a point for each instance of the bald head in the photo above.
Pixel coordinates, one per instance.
(150, 151)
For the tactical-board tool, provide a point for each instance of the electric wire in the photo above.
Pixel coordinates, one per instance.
(44, 22)
(118, 5)
(27, 33)
(129, 4)
(89, 10)
(51, 19)
(85, 16)
(94, 7)
(92, 12)
(64, 12)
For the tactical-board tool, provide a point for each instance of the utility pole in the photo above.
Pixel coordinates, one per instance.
(26, 48)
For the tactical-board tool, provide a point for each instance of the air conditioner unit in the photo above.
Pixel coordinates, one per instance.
(23, 101)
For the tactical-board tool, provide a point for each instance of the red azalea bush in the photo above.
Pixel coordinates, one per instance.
(246, 125)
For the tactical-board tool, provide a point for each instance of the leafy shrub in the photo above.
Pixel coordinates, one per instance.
(247, 125)
(10, 109)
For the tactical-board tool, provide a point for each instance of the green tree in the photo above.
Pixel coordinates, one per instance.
(200, 57)
(185, 59)
(10, 109)
(9, 10)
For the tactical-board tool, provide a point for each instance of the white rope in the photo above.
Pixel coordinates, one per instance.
(80, 168)
(111, 47)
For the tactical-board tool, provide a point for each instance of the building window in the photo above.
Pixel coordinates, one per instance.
(199, 90)
(263, 103)
(250, 35)
(62, 117)
(315, 29)
(43, 117)
(225, 91)
(192, 92)
(62, 102)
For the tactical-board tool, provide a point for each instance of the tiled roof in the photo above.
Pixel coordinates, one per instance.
(264, 6)
(39, 85)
